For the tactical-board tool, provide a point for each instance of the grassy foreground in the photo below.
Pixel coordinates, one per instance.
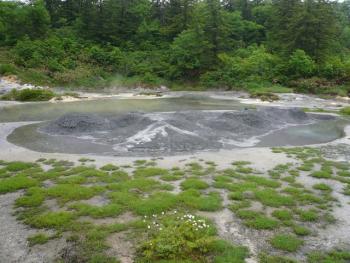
(86, 205)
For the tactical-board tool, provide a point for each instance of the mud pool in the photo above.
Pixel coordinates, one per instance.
(164, 126)
(190, 129)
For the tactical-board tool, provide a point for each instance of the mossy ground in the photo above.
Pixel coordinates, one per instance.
(275, 202)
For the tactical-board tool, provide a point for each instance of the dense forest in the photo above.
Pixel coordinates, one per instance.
(231, 44)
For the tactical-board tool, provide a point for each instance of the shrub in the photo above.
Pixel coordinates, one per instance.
(7, 69)
(186, 238)
(29, 95)
(312, 85)
(300, 64)
(286, 242)
(265, 96)
(345, 111)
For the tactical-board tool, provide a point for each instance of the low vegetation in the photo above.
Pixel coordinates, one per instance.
(164, 206)
(29, 95)
(286, 242)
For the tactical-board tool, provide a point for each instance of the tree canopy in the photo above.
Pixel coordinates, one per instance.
(222, 43)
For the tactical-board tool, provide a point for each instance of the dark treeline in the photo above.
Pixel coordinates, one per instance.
(211, 43)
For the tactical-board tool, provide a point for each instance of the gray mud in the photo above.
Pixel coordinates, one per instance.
(13, 242)
(176, 132)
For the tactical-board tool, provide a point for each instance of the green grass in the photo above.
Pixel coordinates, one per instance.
(263, 258)
(69, 192)
(110, 210)
(75, 179)
(155, 204)
(171, 177)
(138, 193)
(329, 257)
(86, 160)
(272, 198)
(240, 205)
(322, 174)
(286, 242)
(306, 167)
(282, 215)
(308, 215)
(244, 170)
(193, 183)
(301, 231)
(15, 183)
(194, 200)
(55, 220)
(33, 198)
(18, 166)
(109, 167)
(343, 173)
(248, 214)
(238, 196)
(38, 239)
(262, 222)
(150, 171)
(261, 181)
(139, 185)
(322, 187)
(226, 252)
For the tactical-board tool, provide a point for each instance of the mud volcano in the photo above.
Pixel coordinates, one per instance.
(177, 132)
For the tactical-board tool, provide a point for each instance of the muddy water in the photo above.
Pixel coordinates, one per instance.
(29, 137)
(49, 111)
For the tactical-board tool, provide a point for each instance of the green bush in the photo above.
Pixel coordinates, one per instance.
(7, 69)
(345, 111)
(29, 95)
(186, 238)
(300, 64)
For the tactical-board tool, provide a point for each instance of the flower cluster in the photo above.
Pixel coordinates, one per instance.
(156, 221)
(196, 222)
